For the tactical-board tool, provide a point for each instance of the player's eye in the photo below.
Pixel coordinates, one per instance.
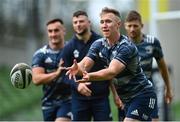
(75, 22)
(102, 21)
(108, 21)
(81, 21)
(105, 21)
(50, 31)
(56, 30)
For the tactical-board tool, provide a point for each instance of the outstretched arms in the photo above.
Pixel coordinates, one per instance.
(115, 67)
(79, 68)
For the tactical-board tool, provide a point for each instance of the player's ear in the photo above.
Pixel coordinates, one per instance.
(119, 24)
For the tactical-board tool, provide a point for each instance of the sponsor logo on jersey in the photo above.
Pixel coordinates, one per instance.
(149, 49)
(48, 60)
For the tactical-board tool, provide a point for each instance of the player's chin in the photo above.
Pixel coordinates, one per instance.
(106, 35)
(132, 35)
(79, 32)
(55, 41)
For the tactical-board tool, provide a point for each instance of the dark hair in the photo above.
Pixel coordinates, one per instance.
(79, 12)
(110, 10)
(133, 15)
(55, 20)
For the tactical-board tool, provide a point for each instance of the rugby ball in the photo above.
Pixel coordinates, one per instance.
(21, 75)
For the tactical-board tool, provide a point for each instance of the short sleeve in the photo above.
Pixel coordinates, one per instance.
(38, 59)
(93, 52)
(67, 55)
(125, 54)
(158, 53)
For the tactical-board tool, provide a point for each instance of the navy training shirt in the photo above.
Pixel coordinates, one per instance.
(148, 49)
(77, 49)
(131, 81)
(49, 59)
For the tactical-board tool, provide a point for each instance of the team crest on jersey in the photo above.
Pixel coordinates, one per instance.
(149, 49)
(76, 53)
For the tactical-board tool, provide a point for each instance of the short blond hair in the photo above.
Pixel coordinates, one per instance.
(110, 10)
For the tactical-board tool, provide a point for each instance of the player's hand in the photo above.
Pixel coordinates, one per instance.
(85, 77)
(118, 102)
(83, 89)
(73, 70)
(60, 68)
(168, 96)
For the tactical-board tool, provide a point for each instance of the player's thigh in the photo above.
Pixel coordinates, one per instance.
(49, 113)
(141, 107)
(81, 110)
(101, 109)
(62, 119)
(64, 110)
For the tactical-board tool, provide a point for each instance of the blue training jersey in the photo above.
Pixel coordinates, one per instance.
(131, 81)
(148, 49)
(77, 49)
(57, 89)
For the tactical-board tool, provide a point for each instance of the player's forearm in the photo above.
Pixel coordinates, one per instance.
(165, 74)
(85, 65)
(39, 79)
(80, 70)
(113, 89)
(104, 74)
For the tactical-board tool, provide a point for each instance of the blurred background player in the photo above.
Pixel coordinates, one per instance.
(122, 64)
(149, 47)
(47, 71)
(89, 101)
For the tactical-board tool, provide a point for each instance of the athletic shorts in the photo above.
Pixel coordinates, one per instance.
(121, 113)
(155, 113)
(97, 109)
(141, 107)
(58, 109)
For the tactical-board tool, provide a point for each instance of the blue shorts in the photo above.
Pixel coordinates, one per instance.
(58, 109)
(155, 113)
(141, 107)
(97, 109)
(121, 113)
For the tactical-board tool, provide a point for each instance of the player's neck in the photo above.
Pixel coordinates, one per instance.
(138, 39)
(57, 46)
(114, 39)
(85, 37)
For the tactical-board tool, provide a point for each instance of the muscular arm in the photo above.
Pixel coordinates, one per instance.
(115, 67)
(165, 75)
(40, 77)
(117, 99)
(86, 64)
